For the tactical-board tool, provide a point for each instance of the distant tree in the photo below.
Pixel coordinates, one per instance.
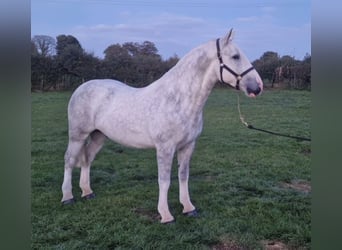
(287, 60)
(302, 74)
(70, 55)
(146, 68)
(267, 64)
(137, 64)
(42, 62)
(43, 72)
(90, 67)
(147, 64)
(115, 51)
(148, 48)
(169, 63)
(45, 45)
(65, 41)
(132, 49)
(117, 63)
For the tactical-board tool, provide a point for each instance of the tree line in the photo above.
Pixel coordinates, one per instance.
(285, 71)
(62, 64)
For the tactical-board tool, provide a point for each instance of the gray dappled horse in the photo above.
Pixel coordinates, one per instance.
(166, 115)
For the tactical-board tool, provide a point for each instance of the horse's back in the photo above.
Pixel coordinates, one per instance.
(100, 86)
(90, 97)
(94, 91)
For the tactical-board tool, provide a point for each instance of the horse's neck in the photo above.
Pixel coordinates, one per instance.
(192, 78)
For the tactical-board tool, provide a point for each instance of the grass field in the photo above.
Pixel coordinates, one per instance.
(252, 189)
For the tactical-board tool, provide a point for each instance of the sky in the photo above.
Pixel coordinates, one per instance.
(175, 27)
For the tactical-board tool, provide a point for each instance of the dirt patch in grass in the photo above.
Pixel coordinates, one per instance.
(274, 245)
(148, 214)
(227, 245)
(266, 245)
(298, 185)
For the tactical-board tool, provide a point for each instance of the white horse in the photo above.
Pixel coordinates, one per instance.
(166, 115)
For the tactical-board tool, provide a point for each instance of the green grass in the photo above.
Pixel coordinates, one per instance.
(237, 181)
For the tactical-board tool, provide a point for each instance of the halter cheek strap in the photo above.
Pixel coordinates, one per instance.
(224, 66)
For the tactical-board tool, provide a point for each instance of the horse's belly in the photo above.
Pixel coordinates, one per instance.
(132, 141)
(128, 137)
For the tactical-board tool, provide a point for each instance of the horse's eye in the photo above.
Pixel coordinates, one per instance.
(236, 57)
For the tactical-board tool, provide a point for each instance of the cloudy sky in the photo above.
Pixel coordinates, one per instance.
(282, 26)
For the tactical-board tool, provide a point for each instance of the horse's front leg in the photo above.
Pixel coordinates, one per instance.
(184, 156)
(164, 159)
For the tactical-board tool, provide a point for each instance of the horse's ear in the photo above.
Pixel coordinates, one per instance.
(229, 37)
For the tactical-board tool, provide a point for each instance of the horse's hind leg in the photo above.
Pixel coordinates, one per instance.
(91, 149)
(75, 146)
(184, 156)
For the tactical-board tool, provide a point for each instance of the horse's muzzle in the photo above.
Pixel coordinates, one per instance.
(252, 92)
(253, 88)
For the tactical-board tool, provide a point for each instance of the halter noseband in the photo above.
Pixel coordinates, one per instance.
(224, 66)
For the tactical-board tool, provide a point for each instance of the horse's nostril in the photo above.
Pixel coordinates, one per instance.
(254, 91)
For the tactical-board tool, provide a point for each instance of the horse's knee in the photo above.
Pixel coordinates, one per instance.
(69, 160)
(73, 152)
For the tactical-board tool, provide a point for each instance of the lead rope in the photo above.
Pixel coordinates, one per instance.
(241, 117)
(263, 130)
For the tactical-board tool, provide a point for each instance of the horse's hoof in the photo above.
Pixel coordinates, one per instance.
(69, 202)
(193, 213)
(89, 196)
(169, 222)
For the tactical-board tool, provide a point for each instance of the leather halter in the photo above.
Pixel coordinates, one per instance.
(224, 66)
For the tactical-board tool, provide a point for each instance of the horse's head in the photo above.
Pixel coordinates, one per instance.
(235, 69)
